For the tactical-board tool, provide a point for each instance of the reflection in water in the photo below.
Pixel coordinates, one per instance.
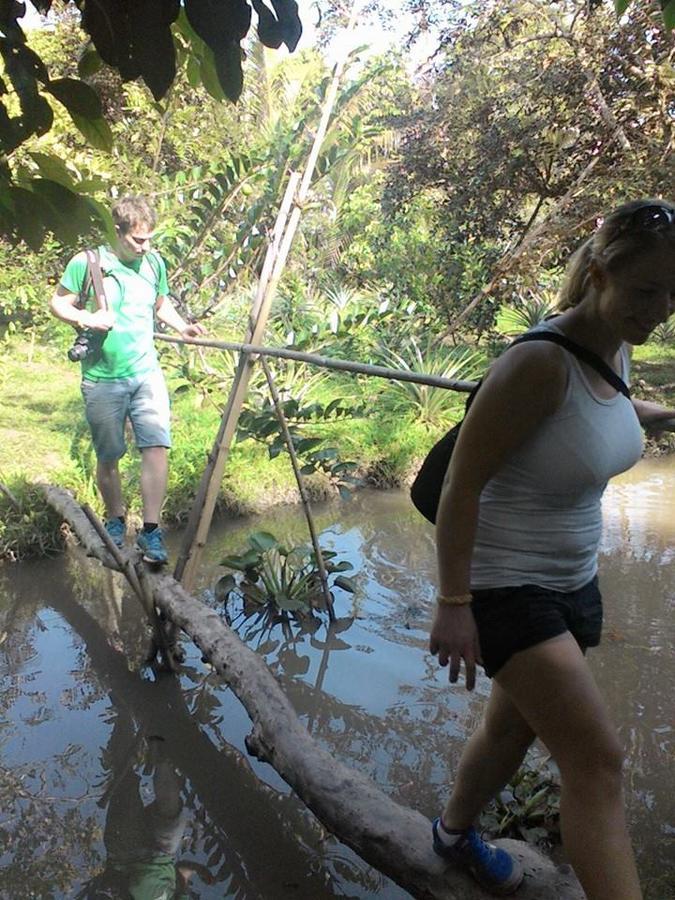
(365, 687)
(141, 840)
(254, 840)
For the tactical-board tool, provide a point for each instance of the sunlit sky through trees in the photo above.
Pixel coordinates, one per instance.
(370, 32)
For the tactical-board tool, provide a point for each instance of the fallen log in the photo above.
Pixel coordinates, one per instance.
(219, 774)
(390, 837)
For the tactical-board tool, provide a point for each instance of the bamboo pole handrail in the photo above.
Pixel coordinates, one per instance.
(327, 362)
(318, 553)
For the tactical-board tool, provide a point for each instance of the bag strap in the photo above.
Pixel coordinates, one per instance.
(154, 264)
(582, 353)
(96, 275)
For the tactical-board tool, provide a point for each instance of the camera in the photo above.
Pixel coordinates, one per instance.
(87, 345)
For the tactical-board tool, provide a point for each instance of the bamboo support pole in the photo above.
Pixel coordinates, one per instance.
(204, 503)
(10, 496)
(321, 565)
(327, 362)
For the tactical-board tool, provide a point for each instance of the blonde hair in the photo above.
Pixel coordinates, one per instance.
(132, 211)
(613, 244)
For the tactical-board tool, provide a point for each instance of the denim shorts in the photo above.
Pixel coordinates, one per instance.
(511, 619)
(143, 400)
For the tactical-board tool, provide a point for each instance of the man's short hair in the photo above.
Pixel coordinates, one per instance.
(131, 211)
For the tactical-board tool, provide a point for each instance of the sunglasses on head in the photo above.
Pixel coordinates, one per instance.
(652, 218)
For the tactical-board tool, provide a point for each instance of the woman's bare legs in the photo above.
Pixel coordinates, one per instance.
(554, 691)
(491, 757)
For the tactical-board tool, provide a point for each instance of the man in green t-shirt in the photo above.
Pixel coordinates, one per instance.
(143, 839)
(123, 380)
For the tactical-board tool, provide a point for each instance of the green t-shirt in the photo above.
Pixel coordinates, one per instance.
(131, 290)
(152, 879)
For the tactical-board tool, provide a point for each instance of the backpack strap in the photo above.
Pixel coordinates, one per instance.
(96, 276)
(582, 353)
(154, 264)
(93, 281)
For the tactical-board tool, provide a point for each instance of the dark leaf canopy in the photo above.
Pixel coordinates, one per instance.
(136, 37)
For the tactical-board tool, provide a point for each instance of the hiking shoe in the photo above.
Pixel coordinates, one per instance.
(494, 869)
(117, 530)
(151, 545)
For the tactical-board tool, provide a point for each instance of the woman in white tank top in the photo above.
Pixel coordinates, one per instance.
(517, 532)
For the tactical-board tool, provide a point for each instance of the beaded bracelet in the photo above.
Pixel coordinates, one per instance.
(454, 599)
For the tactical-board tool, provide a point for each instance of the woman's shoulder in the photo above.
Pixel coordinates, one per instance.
(533, 374)
(536, 359)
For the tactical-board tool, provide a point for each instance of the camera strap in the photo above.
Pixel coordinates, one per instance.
(96, 277)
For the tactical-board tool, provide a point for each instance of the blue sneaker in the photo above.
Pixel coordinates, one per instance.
(151, 545)
(494, 869)
(117, 530)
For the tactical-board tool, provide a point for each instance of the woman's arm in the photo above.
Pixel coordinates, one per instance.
(525, 386)
(653, 416)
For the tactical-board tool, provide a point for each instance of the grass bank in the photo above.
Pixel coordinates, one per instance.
(44, 437)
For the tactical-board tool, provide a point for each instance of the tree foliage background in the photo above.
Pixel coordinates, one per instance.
(534, 120)
(147, 39)
(455, 189)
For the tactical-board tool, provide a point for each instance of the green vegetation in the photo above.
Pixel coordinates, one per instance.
(43, 436)
(277, 579)
(528, 808)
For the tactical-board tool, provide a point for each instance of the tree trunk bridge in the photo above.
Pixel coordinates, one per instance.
(390, 837)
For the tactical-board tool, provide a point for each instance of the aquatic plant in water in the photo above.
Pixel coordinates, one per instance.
(279, 578)
(528, 808)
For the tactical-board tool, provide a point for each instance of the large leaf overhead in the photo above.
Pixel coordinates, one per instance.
(289, 20)
(136, 38)
(269, 27)
(282, 28)
(152, 46)
(222, 24)
(219, 22)
(76, 96)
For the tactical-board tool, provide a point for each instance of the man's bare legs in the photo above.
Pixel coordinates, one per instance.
(154, 480)
(110, 487)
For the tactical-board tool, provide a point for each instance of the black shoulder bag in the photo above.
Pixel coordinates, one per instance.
(427, 487)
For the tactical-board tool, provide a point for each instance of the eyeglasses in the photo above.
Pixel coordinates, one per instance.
(140, 240)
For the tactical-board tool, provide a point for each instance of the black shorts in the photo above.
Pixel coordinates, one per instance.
(511, 619)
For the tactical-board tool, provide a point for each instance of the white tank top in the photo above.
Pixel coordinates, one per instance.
(540, 518)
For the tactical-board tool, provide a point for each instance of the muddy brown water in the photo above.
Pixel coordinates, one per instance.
(79, 770)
